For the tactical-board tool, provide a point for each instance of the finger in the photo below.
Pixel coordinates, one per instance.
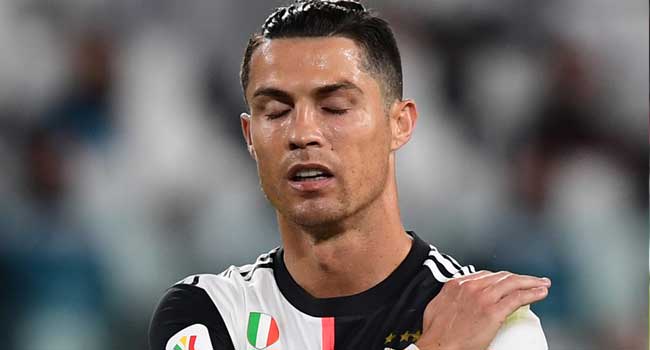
(456, 282)
(471, 276)
(487, 280)
(510, 283)
(511, 302)
(465, 283)
(483, 281)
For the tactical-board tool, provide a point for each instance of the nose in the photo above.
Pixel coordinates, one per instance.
(306, 129)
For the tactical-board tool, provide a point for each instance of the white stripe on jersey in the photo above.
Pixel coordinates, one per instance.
(262, 259)
(263, 330)
(247, 270)
(236, 298)
(444, 261)
(434, 270)
(456, 263)
(450, 264)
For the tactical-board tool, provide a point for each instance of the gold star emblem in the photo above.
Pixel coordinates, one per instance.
(390, 338)
(404, 336)
(416, 335)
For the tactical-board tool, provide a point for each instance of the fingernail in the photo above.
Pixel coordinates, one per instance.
(546, 281)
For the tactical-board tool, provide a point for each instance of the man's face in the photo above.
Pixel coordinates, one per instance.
(318, 128)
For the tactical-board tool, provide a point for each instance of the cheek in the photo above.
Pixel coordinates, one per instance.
(367, 131)
(263, 135)
(364, 144)
(267, 144)
(361, 124)
(273, 135)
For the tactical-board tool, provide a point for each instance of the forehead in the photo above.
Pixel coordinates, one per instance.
(305, 63)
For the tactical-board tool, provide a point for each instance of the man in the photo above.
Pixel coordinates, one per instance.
(323, 83)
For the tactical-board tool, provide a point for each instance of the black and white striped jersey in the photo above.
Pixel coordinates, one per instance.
(260, 306)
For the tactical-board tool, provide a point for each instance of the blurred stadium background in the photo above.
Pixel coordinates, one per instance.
(123, 169)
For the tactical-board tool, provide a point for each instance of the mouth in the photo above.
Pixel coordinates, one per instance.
(309, 177)
(309, 172)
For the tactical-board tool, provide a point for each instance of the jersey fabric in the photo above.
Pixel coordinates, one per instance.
(260, 306)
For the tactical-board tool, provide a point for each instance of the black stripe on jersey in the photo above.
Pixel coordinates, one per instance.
(441, 263)
(243, 270)
(439, 258)
(364, 303)
(263, 261)
(453, 261)
(248, 275)
(463, 269)
(195, 281)
(182, 306)
(443, 270)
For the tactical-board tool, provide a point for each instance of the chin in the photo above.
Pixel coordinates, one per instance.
(315, 214)
(314, 219)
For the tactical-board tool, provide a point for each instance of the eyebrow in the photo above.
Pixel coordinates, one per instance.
(331, 88)
(273, 93)
(286, 97)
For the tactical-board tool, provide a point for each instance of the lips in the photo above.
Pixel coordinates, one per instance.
(305, 172)
(309, 177)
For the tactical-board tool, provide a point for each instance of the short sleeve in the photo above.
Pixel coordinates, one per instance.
(521, 330)
(187, 319)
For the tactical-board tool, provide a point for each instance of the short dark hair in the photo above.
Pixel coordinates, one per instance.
(330, 18)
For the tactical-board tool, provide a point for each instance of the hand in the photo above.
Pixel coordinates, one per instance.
(469, 310)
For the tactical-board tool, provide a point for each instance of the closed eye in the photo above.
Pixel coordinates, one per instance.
(335, 110)
(278, 115)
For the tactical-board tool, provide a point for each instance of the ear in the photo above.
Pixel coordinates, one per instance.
(245, 119)
(403, 115)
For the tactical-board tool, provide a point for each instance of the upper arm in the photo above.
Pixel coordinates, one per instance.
(522, 330)
(187, 319)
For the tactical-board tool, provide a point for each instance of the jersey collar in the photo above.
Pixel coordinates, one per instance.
(359, 304)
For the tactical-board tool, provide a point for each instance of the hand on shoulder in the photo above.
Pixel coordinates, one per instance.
(470, 310)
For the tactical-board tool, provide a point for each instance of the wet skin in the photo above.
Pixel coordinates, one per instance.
(313, 105)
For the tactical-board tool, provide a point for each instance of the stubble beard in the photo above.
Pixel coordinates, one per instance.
(324, 219)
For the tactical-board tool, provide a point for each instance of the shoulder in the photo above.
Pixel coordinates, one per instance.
(206, 303)
(444, 267)
(521, 330)
(241, 275)
(186, 316)
(230, 284)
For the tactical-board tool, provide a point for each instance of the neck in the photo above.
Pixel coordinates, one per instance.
(362, 251)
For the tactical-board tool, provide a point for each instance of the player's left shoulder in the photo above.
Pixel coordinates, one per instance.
(444, 267)
(521, 330)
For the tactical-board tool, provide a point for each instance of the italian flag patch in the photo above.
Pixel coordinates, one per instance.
(262, 330)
